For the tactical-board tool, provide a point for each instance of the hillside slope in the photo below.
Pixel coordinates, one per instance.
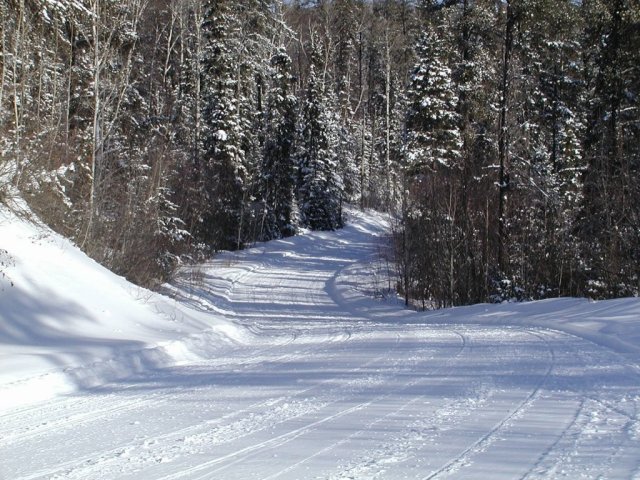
(66, 322)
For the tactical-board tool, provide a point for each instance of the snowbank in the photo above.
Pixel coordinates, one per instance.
(614, 324)
(66, 322)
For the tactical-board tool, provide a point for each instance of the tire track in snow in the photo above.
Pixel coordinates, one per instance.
(487, 439)
(588, 421)
(25, 433)
(384, 449)
(344, 441)
(373, 423)
(412, 437)
(214, 295)
(266, 414)
(83, 410)
(316, 405)
(205, 469)
(600, 419)
(248, 364)
(558, 460)
(576, 421)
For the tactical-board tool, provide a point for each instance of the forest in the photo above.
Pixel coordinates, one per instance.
(501, 136)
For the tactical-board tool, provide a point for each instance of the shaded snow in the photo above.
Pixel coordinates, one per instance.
(60, 310)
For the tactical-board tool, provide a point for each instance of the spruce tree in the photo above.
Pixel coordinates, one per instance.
(277, 175)
(319, 183)
(433, 135)
(550, 165)
(610, 214)
(474, 72)
(224, 175)
(433, 162)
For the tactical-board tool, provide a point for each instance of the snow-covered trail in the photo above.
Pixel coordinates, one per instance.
(338, 386)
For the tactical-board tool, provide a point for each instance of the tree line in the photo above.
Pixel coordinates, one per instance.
(502, 135)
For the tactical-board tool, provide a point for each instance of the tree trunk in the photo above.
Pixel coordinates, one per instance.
(96, 133)
(503, 143)
(387, 116)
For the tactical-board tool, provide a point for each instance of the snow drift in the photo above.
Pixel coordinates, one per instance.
(66, 321)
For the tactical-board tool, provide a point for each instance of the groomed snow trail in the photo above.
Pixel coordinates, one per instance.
(341, 386)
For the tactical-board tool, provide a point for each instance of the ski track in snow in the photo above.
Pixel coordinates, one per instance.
(339, 386)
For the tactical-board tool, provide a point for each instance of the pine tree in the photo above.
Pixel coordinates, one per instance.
(224, 175)
(433, 165)
(608, 224)
(277, 182)
(549, 170)
(433, 135)
(474, 73)
(319, 184)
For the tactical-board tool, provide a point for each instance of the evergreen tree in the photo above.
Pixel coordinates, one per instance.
(549, 158)
(433, 160)
(433, 135)
(224, 174)
(319, 184)
(610, 214)
(475, 77)
(277, 182)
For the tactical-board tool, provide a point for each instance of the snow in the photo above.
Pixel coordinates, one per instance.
(66, 322)
(289, 360)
